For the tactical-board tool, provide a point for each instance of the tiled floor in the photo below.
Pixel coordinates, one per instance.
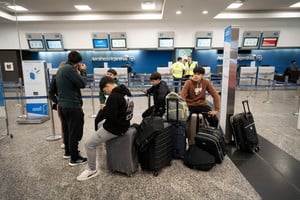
(33, 168)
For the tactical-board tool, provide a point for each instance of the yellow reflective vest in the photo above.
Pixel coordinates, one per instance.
(178, 70)
(190, 68)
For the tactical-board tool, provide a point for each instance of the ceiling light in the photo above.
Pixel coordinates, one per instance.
(148, 5)
(295, 5)
(178, 12)
(204, 12)
(18, 8)
(82, 7)
(236, 4)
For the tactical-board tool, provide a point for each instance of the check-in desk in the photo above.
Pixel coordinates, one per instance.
(247, 76)
(265, 75)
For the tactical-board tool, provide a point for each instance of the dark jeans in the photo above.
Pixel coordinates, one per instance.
(212, 121)
(72, 120)
(177, 83)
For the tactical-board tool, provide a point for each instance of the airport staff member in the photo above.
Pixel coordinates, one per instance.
(69, 80)
(177, 71)
(291, 72)
(189, 67)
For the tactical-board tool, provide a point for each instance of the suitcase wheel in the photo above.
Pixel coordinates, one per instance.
(256, 149)
(155, 173)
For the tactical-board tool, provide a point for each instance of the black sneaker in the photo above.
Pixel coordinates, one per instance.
(79, 161)
(67, 156)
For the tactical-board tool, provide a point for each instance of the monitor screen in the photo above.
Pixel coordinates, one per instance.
(100, 43)
(203, 42)
(54, 44)
(250, 42)
(118, 43)
(36, 44)
(269, 42)
(166, 42)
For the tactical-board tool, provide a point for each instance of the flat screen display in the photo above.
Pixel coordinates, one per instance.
(35, 44)
(250, 42)
(118, 43)
(166, 42)
(100, 43)
(269, 42)
(203, 42)
(54, 44)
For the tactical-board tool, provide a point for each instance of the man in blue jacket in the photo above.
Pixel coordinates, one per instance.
(69, 80)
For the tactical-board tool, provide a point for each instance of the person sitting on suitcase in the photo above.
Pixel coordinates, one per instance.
(194, 93)
(102, 98)
(117, 113)
(159, 90)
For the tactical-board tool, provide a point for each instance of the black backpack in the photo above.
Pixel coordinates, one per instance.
(196, 158)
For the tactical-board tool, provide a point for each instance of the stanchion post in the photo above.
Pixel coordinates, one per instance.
(52, 137)
(268, 92)
(93, 102)
(23, 110)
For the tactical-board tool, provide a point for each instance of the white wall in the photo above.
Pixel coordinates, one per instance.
(143, 34)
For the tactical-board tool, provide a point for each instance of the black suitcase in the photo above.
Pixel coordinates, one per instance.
(178, 132)
(211, 140)
(244, 130)
(158, 153)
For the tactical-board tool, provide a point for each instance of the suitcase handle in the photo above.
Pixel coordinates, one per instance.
(247, 103)
(177, 111)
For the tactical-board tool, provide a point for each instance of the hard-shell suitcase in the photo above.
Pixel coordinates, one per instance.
(158, 153)
(211, 140)
(121, 153)
(179, 130)
(195, 121)
(244, 130)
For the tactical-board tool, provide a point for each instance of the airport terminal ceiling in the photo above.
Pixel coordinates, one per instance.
(165, 10)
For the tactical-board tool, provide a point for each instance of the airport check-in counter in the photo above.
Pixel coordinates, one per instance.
(165, 74)
(265, 75)
(207, 74)
(247, 76)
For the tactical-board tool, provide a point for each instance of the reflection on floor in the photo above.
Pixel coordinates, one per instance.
(33, 168)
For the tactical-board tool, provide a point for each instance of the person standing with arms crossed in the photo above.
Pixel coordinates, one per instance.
(69, 80)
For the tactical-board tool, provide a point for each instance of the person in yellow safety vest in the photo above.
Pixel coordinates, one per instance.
(189, 67)
(177, 71)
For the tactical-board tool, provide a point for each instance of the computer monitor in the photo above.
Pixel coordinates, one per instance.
(118, 43)
(100, 43)
(36, 44)
(250, 42)
(54, 44)
(165, 42)
(203, 43)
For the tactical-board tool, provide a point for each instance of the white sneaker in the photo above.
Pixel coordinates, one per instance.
(87, 174)
(62, 145)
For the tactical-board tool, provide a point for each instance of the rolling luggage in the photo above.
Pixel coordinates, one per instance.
(195, 121)
(121, 153)
(159, 151)
(178, 130)
(196, 158)
(244, 130)
(211, 140)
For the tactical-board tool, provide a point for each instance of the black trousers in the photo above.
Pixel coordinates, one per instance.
(212, 120)
(72, 120)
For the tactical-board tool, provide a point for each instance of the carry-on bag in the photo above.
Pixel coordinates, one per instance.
(177, 109)
(158, 153)
(211, 140)
(195, 121)
(178, 131)
(244, 130)
(121, 153)
(196, 158)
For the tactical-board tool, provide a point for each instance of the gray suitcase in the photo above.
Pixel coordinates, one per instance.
(196, 119)
(121, 153)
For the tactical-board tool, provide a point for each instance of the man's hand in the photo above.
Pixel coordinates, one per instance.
(213, 113)
(102, 106)
(145, 91)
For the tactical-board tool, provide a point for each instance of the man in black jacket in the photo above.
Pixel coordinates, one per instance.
(117, 113)
(159, 90)
(69, 80)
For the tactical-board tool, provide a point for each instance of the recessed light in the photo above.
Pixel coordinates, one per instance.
(17, 8)
(148, 5)
(204, 12)
(82, 7)
(295, 5)
(236, 4)
(178, 12)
